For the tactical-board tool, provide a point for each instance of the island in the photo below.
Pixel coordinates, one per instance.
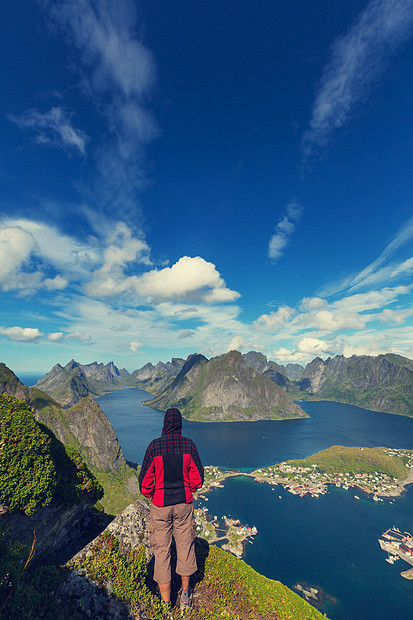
(210, 528)
(382, 472)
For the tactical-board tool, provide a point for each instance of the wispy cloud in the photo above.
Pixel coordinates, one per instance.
(357, 59)
(385, 268)
(283, 230)
(118, 75)
(53, 128)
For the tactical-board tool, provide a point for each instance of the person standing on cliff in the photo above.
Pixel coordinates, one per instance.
(171, 471)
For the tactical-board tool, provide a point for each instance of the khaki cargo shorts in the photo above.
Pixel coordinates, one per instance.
(180, 519)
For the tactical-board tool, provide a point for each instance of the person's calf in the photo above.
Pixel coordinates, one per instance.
(165, 590)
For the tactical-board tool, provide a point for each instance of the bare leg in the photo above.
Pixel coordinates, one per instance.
(185, 582)
(165, 590)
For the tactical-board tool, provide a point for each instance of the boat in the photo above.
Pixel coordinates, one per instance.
(357, 497)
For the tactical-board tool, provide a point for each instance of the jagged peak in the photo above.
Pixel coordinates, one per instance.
(70, 365)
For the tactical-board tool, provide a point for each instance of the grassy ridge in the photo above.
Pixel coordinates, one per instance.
(355, 460)
(229, 588)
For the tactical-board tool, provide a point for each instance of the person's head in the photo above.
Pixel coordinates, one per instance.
(172, 422)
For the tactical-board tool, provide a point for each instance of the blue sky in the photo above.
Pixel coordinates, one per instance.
(201, 176)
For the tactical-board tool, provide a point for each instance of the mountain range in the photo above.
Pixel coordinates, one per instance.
(229, 390)
(225, 388)
(381, 383)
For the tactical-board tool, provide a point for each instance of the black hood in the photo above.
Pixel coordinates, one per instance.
(172, 422)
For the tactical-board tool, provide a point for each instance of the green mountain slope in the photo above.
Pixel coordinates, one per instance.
(225, 388)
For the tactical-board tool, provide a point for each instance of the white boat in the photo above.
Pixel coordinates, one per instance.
(357, 497)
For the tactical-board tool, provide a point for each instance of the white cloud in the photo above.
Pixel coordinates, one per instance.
(55, 336)
(312, 303)
(53, 246)
(21, 334)
(16, 246)
(82, 337)
(274, 319)
(134, 346)
(284, 230)
(55, 284)
(313, 346)
(189, 279)
(326, 319)
(237, 343)
(357, 59)
(53, 128)
(395, 316)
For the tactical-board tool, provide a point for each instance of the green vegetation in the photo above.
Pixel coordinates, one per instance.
(6, 375)
(355, 461)
(28, 594)
(121, 488)
(27, 470)
(127, 575)
(229, 589)
(34, 465)
(232, 589)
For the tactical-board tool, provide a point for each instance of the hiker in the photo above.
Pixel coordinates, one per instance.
(171, 472)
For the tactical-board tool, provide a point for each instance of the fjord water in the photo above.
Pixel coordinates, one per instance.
(329, 542)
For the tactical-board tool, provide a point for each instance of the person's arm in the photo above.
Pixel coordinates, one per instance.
(147, 474)
(196, 470)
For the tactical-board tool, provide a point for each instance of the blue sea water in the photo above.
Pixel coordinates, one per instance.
(329, 542)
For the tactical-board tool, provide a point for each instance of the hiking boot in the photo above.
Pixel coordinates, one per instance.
(186, 599)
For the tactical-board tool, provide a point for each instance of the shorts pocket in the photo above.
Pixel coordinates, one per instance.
(152, 537)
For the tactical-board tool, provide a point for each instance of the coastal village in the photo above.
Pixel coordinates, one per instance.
(312, 480)
(299, 480)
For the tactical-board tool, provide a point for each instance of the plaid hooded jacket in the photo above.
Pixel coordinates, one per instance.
(171, 469)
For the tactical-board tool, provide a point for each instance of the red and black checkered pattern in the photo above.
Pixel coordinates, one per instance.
(171, 469)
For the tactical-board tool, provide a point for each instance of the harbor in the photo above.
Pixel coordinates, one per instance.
(229, 531)
(398, 545)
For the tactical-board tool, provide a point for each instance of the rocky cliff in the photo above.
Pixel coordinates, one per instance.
(381, 383)
(83, 426)
(281, 375)
(225, 388)
(45, 486)
(117, 561)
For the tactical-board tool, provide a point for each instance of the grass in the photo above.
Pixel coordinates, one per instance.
(121, 488)
(227, 587)
(355, 461)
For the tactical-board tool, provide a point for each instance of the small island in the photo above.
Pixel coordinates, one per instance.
(210, 528)
(382, 472)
